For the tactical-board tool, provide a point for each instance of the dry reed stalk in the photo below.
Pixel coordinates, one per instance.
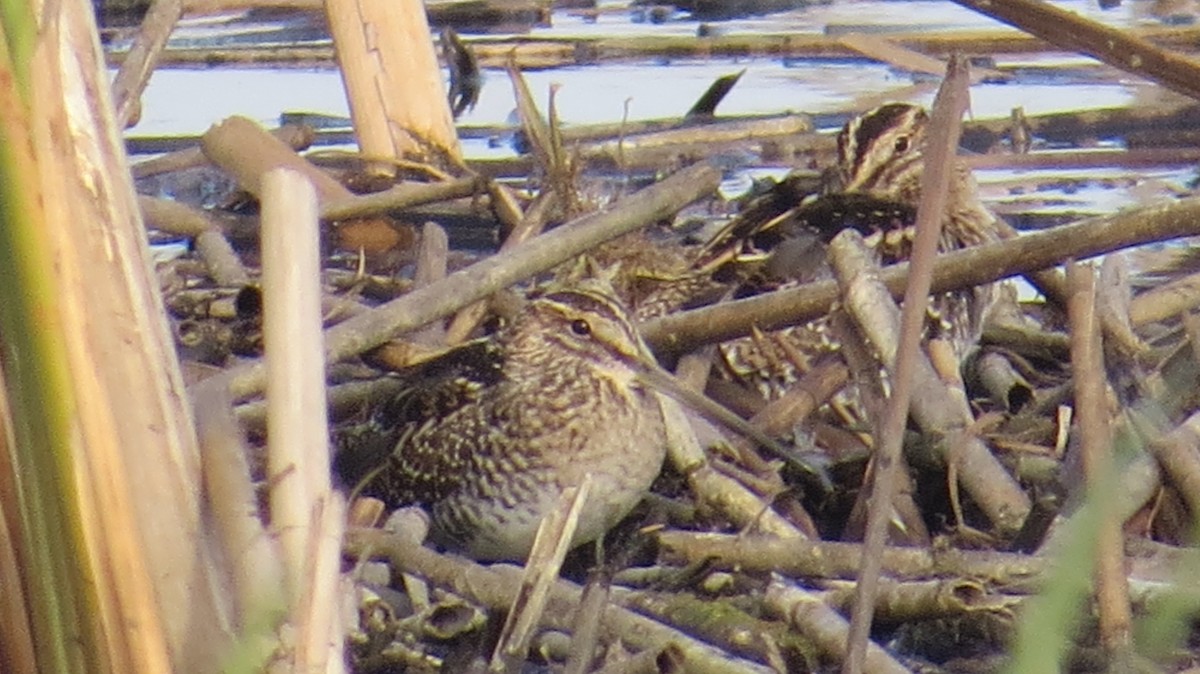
(530, 225)
(548, 52)
(887, 51)
(953, 270)
(255, 567)
(1179, 453)
(305, 513)
(404, 195)
(141, 58)
(496, 587)
(1118, 48)
(1004, 384)
(294, 136)
(223, 263)
(550, 547)
(876, 317)
(810, 559)
(393, 83)
(816, 620)
(1092, 159)
(713, 489)
(296, 417)
(633, 150)
(484, 278)
(1165, 301)
(663, 659)
(432, 258)
(132, 442)
(1095, 433)
(317, 616)
(945, 128)
(585, 630)
(247, 151)
(918, 600)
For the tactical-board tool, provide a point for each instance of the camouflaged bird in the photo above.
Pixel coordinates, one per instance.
(489, 435)
(877, 188)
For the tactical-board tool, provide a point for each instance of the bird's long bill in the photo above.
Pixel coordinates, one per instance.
(659, 379)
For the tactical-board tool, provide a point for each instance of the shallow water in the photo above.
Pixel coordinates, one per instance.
(183, 101)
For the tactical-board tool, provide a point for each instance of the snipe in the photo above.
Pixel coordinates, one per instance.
(879, 162)
(487, 436)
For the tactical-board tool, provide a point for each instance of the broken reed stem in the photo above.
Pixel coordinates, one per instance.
(1179, 453)
(125, 517)
(938, 159)
(550, 547)
(484, 278)
(811, 616)
(496, 587)
(404, 195)
(1118, 48)
(919, 600)
(814, 389)
(298, 454)
(531, 223)
(246, 151)
(222, 261)
(1165, 301)
(143, 55)
(392, 80)
(936, 408)
(585, 630)
(712, 488)
(958, 269)
(294, 136)
(306, 515)
(256, 568)
(319, 643)
(545, 52)
(801, 558)
(1095, 434)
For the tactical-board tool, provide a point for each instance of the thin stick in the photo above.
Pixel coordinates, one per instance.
(224, 265)
(1118, 48)
(135, 70)
(946, 116)
(820, 622)
(496, 587)
(319, 646)
(550, 547)
(257, 569)
(959, 269)
(499, 271)
(1087, 364)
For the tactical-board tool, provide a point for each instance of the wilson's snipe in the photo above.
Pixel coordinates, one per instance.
(489, 435)
(880, 160)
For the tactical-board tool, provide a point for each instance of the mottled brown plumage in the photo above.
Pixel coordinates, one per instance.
(488, 436)
(879, 160)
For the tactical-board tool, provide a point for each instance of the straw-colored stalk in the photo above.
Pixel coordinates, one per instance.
(305, 513)
(393, 83)
(101, 493)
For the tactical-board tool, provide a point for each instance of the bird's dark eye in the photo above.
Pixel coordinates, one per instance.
(901, 144)
(581, 327)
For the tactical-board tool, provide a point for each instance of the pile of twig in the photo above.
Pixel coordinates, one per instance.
(743, 580)
(740, 576)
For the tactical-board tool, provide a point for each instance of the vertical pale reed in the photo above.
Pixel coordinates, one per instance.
(393, 83)
(305, 513)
